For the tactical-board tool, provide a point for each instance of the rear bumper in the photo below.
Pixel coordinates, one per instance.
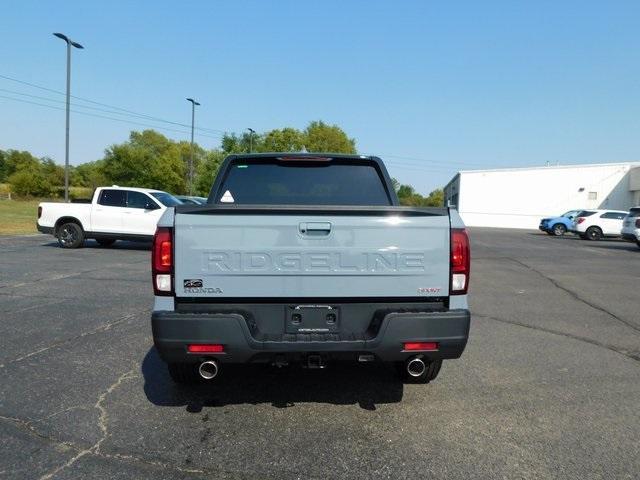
(173, 331)
(47, 230)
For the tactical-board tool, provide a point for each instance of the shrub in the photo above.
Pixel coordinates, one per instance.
(30, 184)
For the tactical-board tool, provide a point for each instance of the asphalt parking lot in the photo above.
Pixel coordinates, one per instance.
(549, 386)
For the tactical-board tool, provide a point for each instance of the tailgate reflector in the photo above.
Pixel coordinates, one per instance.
(421, 346)
(205, 348)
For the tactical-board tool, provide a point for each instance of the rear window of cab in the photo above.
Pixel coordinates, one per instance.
(304, 183)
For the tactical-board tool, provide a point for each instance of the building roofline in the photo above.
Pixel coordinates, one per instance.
(550, 167)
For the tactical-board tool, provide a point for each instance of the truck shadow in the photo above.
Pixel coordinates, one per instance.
(119, 245)
(340, 384)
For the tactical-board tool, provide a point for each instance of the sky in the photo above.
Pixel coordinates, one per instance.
(432, 87)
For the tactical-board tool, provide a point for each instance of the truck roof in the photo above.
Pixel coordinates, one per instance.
(302, 155)
(135, 189)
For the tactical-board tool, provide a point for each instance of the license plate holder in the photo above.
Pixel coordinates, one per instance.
(312, 319)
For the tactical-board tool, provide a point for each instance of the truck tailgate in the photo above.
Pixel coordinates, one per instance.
(387, 253)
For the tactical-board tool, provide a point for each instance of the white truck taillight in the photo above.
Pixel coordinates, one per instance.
(162, 261)
(460, 262)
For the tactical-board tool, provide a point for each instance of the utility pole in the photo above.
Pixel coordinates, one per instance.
(70, 43)
(193, 118)
(251, 132)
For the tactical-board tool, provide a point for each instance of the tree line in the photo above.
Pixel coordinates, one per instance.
(151, 160)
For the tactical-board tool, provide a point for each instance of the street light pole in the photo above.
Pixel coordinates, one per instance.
(251, 132)
(193, 118)
(70, 43)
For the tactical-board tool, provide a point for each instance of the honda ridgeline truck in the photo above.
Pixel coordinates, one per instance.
(308, 259)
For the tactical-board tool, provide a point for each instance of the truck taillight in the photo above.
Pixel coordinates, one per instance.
(162, 261)
(580, 220)
(460, 261)
(39, 212)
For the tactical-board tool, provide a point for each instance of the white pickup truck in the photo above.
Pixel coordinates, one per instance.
(114, 213)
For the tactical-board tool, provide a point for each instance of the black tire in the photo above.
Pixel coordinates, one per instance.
(430, 372)
(70, 235)
(184, 373)
(638, 243)
(593, 233)
(105, 242)
(559, 229)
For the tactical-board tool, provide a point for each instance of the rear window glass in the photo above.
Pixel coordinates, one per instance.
(614, 215)
(303, 183)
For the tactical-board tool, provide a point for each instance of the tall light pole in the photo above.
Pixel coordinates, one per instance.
(251, 132)
(70, 43)
(193, 118)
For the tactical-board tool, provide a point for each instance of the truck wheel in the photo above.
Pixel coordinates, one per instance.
(430, 372)
(184, 373)
(105, 242)
(559, 229)
(70, 235)
(593, 233)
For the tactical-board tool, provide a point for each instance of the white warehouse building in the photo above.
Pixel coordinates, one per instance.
(520, 197)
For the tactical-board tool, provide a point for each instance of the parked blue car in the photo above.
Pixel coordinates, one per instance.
(558, 226)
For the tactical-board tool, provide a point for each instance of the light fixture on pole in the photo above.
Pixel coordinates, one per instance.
(70, 43)
(193, 117)
(251, 132)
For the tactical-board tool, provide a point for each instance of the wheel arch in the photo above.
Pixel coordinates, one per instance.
(66, 219)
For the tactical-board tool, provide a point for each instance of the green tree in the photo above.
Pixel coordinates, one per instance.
(147, 159)
(207, 171)
(283, 140)
(234, 143)
(322, 137)
(3, 166)
(409, 197)
(29, 183)
(435, 198)
(53, 173)
(20, 160)
(89, 174)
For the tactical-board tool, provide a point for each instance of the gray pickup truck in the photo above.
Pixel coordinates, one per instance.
(308, 258)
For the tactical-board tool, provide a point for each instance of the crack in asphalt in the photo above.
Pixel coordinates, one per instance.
(629, 354)
(27, 426)
(103, 419)
(577, 297)
(95, 449)
(102, 328)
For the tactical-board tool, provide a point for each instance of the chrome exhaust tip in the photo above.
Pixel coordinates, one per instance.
(415, 367)
(208, 369)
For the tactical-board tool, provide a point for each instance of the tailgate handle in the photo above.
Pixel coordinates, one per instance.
(315, 228)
